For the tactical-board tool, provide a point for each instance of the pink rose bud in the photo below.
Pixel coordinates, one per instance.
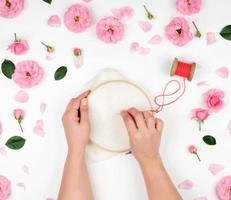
(200, 115)
(77, 51)
(193, 150)
(19, 116)
(19, 46)
(49, 48)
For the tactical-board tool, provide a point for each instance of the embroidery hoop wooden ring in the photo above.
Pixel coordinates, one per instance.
(125, 82)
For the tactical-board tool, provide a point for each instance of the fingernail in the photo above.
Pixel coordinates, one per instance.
(84, 102)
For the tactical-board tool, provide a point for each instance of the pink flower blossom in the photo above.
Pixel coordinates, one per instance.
(188, 7)
(124, 12)
(186, 185)
(178, 31)
(77, 18)
(211, 38)
(214, 99)
(145, 26)
(223, 72)
(5, 188)
(193, 150)
(19, 116)
(27, 74)
(11, 8)
(54, 21)
(18, 47)
(215, 168)
(200, 115)
(110, 30)
(21, 96)
(223, 188)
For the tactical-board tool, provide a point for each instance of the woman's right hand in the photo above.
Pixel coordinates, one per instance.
(145, 134)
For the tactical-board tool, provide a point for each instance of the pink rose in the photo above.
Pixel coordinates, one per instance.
(18, 47)
(19, 116)
(77, 18)
(200, 115)
(214, 99)
(27, 74)
(110, 30)
(188, 7)
(223, 188)
(193, 150)
(11, 8)
(177, 31)
(5, 188)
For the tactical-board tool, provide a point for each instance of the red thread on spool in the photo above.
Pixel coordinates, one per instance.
(182, 69)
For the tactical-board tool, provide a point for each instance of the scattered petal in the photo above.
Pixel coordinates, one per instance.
(21, 96)
(201, 198)
(145, 26)
(49, 58)
(38, 128)
(134, 47)
(186, 185)
(223, 72)
(43, 107)
(25, 169)
(211, 38)
(78, 61)
(3, 151)
(156, 39)
(22, 185)
(124, 12)
(215, 168)
(202, 83)
(229, 126)
(144, 51)
(54, 21)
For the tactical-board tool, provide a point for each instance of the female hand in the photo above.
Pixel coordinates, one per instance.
(145, 134)
(76, 123)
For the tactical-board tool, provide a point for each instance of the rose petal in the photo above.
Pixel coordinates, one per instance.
(156, 39)
(38, 128)
(3, 151)
(21, 96)
(144, 51)
(215, 168)
(145, 26)
(229, 126)
(124, 12)
(134, 47)
(43, 107)
(202, 83)
(22, 185)
(201, 198)
(186, 185)
(25, 169)
(223, 72)
(49, 58)
(54, 21)
(211, 38)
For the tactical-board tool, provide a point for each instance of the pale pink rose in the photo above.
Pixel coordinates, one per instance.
(213, 99)
(215, 168)
(21, 96)
(186, 185)
(77, 18)
(211, 38)
(39, 128)
(178, 31)
(156, 39)
(11, 8)
(188, 7)
(5, 188)
(145, 26)
(124, 12)
(54, 21)
(27, 74)
(223, 72)
(18, 47)
(110, 30)
(223, 188)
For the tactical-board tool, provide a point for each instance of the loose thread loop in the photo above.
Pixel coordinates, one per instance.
(163, 95)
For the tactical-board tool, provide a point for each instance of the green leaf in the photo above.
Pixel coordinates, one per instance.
(60, 73)
(15, 142)
(210, 140)
(48, 1)
(226, 32)
(8, 68)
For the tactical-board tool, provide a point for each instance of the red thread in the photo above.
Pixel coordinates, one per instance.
(183, 69)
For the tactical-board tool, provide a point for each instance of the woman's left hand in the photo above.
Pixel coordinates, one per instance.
(76, 124)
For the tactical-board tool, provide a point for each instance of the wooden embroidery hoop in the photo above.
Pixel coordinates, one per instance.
(117, 81)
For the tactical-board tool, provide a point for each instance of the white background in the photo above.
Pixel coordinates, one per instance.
(117, 178)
